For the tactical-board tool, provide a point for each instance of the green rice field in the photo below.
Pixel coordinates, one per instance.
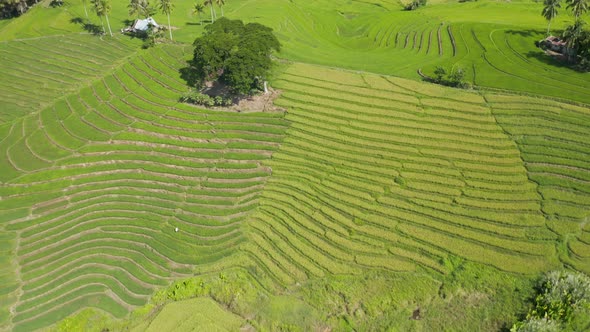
(368, 194)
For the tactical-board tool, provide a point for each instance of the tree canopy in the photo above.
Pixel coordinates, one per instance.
(234, 53)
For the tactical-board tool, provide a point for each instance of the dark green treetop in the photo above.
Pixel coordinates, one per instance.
(234, 53)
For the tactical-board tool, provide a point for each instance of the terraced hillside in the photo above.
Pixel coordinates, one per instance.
(35, 71)
(380, 172)
(110, 188)
(484, 38)
(94, 186)
(553, 139)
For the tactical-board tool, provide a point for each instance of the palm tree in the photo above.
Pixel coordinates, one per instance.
(220, 3)
(106, 5)
(578, 7)
(550, 11)
(572, 35)
(199, 9)
(166, 7)
(99, 10)
(85, 10)
(135, 7)
(210, 3)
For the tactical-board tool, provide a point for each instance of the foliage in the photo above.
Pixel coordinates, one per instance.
(415, 4)
(141, 8)
(14, 8)
(535, 324)
(561, 294)
(234, 53)
(563, 297)
(151, 35)
(166, 7)
(193, 96)
(578, 41)
(578, 7)
(455, 78)
(198, 9)
(550, 11)
(440, 72)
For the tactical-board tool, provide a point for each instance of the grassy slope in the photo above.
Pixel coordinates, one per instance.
(494, 48)
(369, 161)
(95, 183)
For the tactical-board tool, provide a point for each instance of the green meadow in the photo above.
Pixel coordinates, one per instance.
(370, 201)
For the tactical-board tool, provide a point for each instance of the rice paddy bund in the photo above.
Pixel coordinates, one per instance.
(111, 189)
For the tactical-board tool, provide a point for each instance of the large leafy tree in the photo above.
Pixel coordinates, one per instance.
(234, 53)
(550, 11)
(166, 6)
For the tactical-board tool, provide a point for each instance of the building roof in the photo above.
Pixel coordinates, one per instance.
(143, 25)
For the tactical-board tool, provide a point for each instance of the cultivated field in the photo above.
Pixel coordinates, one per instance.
(369, 187)
(380, 172)
(95, 184)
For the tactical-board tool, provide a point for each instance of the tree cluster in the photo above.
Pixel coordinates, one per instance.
(14, 8)
(577, 38)
(455, 78)
(415, 4)
(235, 54)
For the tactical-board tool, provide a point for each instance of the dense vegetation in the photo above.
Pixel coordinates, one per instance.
(234, 53)
(13, 8)
(373, 201)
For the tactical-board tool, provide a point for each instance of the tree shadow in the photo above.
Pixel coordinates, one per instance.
(189, 75)
(87, 26)
(525, 33)
(127, 22)
(556, 61)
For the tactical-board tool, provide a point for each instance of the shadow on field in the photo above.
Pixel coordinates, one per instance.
(189, 75)
(87, 26)
(525, 33)
(548, 59)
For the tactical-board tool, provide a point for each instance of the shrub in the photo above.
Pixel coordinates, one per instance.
(415, 4)
(562, 304)
(536, 325)
(193, 96)
(561, 294)
(454, 79)
(440, 72)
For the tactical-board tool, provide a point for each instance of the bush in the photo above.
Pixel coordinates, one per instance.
(561, 294)
(415, 4)
(454, 79)
(536, 325)
(562, 304)
(195, 97)
(440, 73)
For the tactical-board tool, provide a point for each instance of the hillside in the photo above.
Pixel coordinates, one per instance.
(370, 198)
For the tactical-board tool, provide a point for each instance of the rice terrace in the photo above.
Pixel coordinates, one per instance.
(288, 165)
